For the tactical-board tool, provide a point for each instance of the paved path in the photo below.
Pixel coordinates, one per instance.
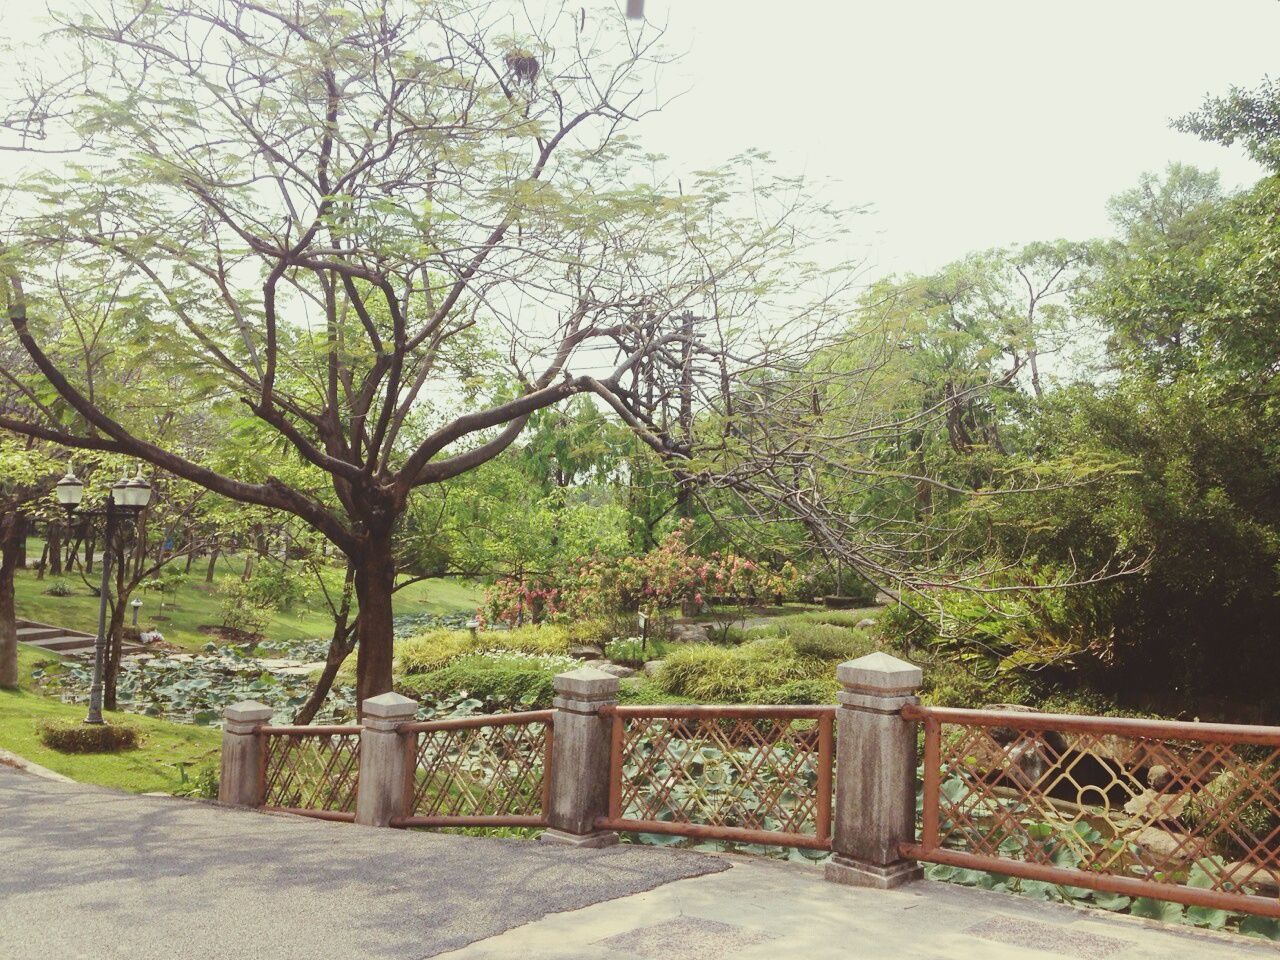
(92, 874)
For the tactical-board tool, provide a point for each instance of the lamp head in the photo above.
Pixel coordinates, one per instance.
(69, 491)
(137, 491)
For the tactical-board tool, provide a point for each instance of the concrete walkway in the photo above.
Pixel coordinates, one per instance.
(89, 873)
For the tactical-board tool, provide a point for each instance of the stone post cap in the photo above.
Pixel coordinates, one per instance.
(390, 706)
(248, 711)
(880, 673)
(586, 683)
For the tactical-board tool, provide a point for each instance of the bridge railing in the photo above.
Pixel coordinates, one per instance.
(1184, 812)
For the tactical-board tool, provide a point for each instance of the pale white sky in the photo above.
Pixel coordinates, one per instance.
(966, 123)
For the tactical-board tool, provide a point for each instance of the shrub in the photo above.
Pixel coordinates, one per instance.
(501, 680)
(830, 644)
(800, 692)
(704, 672)
(646, 690)
(431, 650)
(436, 648)
(543, 638)
(243, 612)
(634, 653)
(1220, 810)
(59, 588)
(836, 618)
(72, 736)
(203, 785)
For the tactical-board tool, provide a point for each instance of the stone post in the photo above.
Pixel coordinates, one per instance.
(580, 758)
(384, 760)
(875, 773)
(240, 779)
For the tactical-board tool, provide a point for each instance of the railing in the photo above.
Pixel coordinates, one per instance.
(488, 771)
(311, 770)
(750, 774)
(1185, 812)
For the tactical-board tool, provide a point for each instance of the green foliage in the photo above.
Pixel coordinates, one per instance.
(634, 652)
(1015, 624)
(824, 641)
(59, 588)
(811, 690)
(152, 766)
(713, 674)
(242, 612)
(837, 618)
(1227, 811)
(433, 650)
(502, 680)
(68, 736)
(203, 785)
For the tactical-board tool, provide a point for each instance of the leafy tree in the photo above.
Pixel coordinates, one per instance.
(1247, 117)
(316, 214)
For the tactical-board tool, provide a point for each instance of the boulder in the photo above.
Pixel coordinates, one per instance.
(1150, 806)
(652, 667)
(587, 651)
(865, 623)
(690, 632)
(617, 669)
(1166, 845)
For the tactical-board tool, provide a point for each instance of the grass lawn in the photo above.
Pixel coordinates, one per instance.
(180, 614)
(151, 767)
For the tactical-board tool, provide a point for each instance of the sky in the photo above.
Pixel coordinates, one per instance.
(965, 125)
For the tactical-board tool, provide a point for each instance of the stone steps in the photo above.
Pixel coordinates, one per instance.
(60, 640)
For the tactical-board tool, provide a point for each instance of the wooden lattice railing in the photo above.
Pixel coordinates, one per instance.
(1186, 812)
(311, 770)
(489, 771)
(751, 774)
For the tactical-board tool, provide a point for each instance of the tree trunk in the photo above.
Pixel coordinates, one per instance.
(44, 562)
(22, 542)
(375, 580)
(340, 647)
(115, 626)
(88, 553)
(213, 562)
(55, 549)
(115, 644)
(10, 531)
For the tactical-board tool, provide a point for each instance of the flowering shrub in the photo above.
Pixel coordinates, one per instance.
(671, 575)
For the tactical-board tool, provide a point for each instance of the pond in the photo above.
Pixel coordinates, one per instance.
(197, 687)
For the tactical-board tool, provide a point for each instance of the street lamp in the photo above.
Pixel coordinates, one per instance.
(127, 499)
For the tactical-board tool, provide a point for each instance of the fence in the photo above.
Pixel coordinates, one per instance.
(311, 770)
(1184, 812)
(1187, 812)
(478, 771)
(748, 774)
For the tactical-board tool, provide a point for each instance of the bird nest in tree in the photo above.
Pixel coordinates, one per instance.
(524, 66)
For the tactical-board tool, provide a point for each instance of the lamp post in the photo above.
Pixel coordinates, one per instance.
(126, 501)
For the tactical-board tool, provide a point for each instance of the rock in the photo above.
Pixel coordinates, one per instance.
(690, 632)
(866, 622)
(1150, 805)
(652, 667)
(587, 651)
(618, 670)
(1165, 844)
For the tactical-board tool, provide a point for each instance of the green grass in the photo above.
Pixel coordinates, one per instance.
(195, 604)
(151, 767)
